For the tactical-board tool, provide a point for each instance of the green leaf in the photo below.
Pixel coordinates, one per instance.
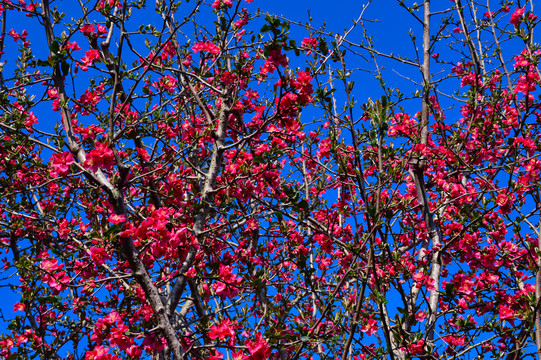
(265, 28)
(65, 68)
(54, 47)
(112, 230)
(259, 160)
(323, 48)
(43, 63)
(303, 204)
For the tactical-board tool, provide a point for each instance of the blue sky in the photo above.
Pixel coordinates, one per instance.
(390, 33)
(390, 36)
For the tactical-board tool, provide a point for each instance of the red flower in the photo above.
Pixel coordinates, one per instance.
(89, 58)
(98, 255)
(225, 329)
(206, 46)
(72, 46)
(507, 314)
(102, 30)
(63, 229)
(118, 337)
(100, 157)
(219, 3)
(62, 162)
(417, 348)
(117, 219)
(14, 34)
(515, 18)
(275, 59)
(87, 29)
(224, 288)
(55, 277)
(310, 43)
(505, 201)
(259, 349)
(99, 353)
(52, 92)
(370, 327)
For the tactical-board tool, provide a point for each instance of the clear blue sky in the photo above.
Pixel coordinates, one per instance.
(390, 35)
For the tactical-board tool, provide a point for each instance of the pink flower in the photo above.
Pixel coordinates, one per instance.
(18, 307)
(275, 59)
(458, 68)
(188, 61)
(259, 349)
(89, 58)
(30, 120)
(108, 4)
(62, 162)
(102, 30)
(53, 93)
(56, 105)
(63, 229)
(505, 201)
(55, 277)
(118, 337)
(243, 20)
(219, 3)
(206, 46)
(100, 157)
(417, 348)
(117, 219)
(15, 35)
(98, 255)
(87, 29)
(168, 83)
(227, 287)
(418, 276)
(191, 273)
(420, 316)
(370, 327)
(72, 46)
(454, 340)
(223, 330)
(507, 314)
(134, 351)
(310, 43)
(6, 345)
(303, 84)
(99, 353)
(515, 18)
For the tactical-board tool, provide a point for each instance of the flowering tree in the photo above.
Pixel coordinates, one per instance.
(168, 194)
